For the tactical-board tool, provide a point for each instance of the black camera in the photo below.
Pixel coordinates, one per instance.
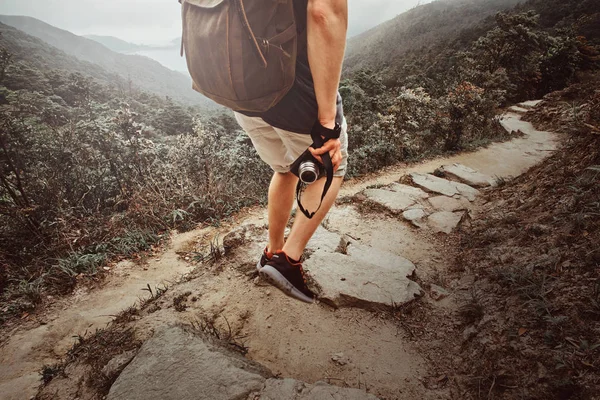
(307, 168)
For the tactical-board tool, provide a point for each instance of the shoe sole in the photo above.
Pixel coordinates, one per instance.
(258, 266)
(275, 278)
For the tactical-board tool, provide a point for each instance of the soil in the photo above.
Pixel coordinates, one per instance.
(426, 349)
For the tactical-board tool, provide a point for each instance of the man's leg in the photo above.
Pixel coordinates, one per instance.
(304, 228)
(281, 199)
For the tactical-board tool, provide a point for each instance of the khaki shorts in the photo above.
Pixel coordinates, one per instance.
(280, 148)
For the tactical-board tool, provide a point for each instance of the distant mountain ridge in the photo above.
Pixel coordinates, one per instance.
(145, 73)
(116, 44)
(123, 46)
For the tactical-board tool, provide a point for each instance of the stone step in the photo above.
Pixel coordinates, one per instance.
(439, 213)
(518, 109)
(448, 188)
(529, 104)
(177, 364)
(394, 201)
(355, 275)
(467, 175)
(444, 221)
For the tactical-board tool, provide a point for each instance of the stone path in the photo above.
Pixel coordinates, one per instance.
(433, 197)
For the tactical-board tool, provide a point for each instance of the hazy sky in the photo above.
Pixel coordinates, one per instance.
(158, 21)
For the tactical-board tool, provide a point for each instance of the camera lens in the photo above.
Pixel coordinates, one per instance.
(308, 172)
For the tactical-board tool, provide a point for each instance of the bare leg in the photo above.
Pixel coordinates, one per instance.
(304, 228)
(281, 200)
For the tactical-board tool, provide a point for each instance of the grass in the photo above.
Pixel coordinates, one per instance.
(213, 253)
(95, 350)
(27, 287)
(207, 326)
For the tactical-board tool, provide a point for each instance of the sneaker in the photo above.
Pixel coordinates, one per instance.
(264, 259)
(287, 276)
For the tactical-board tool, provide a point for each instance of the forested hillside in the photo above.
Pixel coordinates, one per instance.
(92, 167)
(443, 92)
(418, 29)
(143, 72)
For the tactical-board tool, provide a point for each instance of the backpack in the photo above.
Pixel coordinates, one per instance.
(240, 53)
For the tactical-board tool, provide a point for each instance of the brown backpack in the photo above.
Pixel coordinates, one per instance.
(240, 53)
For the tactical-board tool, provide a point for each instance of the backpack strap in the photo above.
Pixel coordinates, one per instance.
(239, 5)
(278, 40)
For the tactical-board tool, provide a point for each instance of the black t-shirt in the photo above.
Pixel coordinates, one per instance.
(298, 110)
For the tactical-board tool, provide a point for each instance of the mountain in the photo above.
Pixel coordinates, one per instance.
(116, 44)
(443, 27)
(145, 73)
(418, 29)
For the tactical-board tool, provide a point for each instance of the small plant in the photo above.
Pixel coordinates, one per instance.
(207, 326)
(157, 293)
(50, 372)
(179, 301)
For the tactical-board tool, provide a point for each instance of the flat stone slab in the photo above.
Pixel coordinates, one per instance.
(178, 365)
(444, 221)
(355, 275)
(411, 191)
(284, 389)
(416, 216)
(450, 204)
(443, 186)
(467, 175)
(394, 201)
(518, 109)
(530, 103)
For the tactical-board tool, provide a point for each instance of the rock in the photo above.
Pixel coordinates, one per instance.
(518, 109)
(434, 184)
(415, 216)
(411, 191)
(116, 364)
(340, 359)
(178, 365)
(324, 240)
(467, 175)
(529, 104)
(288, 389)
(450, 204)
(443, 186)
(372, 278)
(394, 201)
(438, 293)
(444, 221)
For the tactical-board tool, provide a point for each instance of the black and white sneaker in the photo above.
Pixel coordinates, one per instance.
(264, 259)
(287, 276)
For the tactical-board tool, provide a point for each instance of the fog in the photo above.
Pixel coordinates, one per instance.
(156, 22)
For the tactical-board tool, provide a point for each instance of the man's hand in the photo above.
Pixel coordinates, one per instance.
(334, 148)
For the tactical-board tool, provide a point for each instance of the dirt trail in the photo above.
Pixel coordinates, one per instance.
(286, 336)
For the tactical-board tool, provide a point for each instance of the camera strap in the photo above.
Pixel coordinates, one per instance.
(320, 135)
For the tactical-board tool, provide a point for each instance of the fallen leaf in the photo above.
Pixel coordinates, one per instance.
(25, 315)
(522, 331)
